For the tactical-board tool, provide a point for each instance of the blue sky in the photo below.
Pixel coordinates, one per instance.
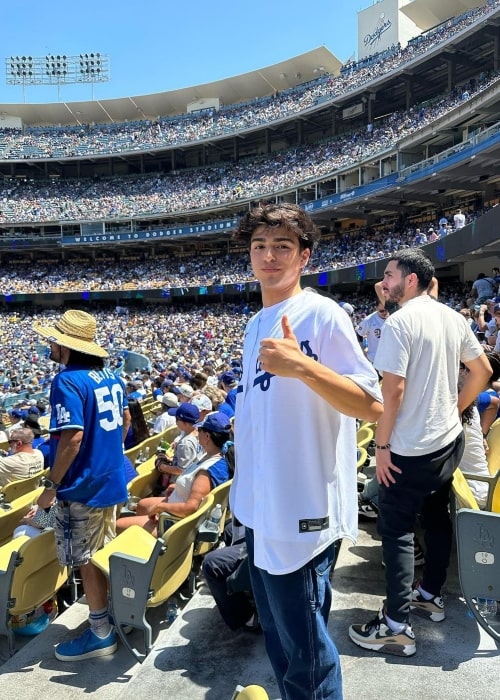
(158, 45)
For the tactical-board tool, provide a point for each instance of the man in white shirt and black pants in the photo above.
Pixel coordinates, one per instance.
(419, 443)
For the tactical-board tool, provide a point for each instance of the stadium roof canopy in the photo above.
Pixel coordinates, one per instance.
(239, 88)
(429, 13)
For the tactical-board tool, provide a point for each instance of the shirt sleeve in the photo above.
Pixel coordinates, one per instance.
(393, 351)
(67, 405)
(185, 453)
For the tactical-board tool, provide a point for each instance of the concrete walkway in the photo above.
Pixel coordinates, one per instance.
(198, 658)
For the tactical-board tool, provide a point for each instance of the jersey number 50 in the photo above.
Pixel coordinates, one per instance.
(110, 400)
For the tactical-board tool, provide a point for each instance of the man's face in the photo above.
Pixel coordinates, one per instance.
(394, 285)
(382, 311)
(56, 352)
(277, 261)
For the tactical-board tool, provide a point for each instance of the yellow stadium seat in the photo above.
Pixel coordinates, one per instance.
(17, 488)
(30, 574)
(10, 517)
(144, 571)
(250, 692)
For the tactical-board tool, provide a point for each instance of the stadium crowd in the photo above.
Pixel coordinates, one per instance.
(342, 249)
(193, 337)
(29, 201)
(87, 140)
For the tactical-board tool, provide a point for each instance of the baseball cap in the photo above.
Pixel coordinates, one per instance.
(217, 422)
(202, 402)
(348, 308)
(169, 399)
(17, 413)
(496, 309)
(186, 412)
(228, 378)
(186, 390)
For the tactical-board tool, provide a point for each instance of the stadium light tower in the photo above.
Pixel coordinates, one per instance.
(57, 70)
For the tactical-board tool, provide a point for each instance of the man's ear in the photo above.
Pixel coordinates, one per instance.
(304, 257)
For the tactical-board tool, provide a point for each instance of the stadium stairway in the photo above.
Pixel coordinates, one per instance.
(197, 657)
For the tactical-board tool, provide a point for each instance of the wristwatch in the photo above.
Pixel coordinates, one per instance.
(49, 484)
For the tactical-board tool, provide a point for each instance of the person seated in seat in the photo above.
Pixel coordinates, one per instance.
(227, 575)
(474, 457)
(22, 461)
(40, 442)
(184, 450)
(184, 497)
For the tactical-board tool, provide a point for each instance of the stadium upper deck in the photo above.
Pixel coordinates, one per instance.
(281, 134)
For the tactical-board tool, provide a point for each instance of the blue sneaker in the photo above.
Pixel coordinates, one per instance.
(88, 646)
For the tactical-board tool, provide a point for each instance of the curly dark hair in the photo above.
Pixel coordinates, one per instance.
(289, 216)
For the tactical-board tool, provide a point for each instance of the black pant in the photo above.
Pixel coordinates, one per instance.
(235, 606)
(422, 488)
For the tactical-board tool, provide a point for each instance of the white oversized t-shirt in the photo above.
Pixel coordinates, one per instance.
(295, 454)
(424, 342)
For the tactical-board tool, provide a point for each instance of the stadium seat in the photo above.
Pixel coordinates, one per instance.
(463, 496)
(144, 571)
(30, 574)
(151, 443)
(17, 488)
(478, 546)
(362, 457)
(250, 692)
(220, 495)
(142, 485)
(493, 480)
(146, 467)
(10, 517)
(364, 436)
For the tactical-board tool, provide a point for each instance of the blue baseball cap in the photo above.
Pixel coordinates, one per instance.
(17, 413)
(186, 412)
(217, 422)
(228, 378)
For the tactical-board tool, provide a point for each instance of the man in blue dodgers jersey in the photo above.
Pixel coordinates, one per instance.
(295, 481)
(88, 477)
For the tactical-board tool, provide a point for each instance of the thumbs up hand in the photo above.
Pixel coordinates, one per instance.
(282, 356)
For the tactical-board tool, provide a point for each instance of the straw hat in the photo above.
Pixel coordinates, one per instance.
(75, 330)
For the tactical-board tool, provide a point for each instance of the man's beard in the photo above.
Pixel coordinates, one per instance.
(396, 294)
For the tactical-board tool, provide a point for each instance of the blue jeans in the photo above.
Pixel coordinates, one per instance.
(293, 611)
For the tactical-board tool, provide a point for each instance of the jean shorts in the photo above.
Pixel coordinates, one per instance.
(81, 531)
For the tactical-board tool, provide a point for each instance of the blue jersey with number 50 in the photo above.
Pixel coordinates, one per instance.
(90, 400)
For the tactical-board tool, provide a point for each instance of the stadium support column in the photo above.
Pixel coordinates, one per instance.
(268, 140)
(235, 149)
(452, 71)
(300, 134)
(496, 51)
(408, 80)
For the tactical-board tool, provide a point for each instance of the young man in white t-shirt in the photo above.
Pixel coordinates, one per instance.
(419, 443)
(295, 482)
